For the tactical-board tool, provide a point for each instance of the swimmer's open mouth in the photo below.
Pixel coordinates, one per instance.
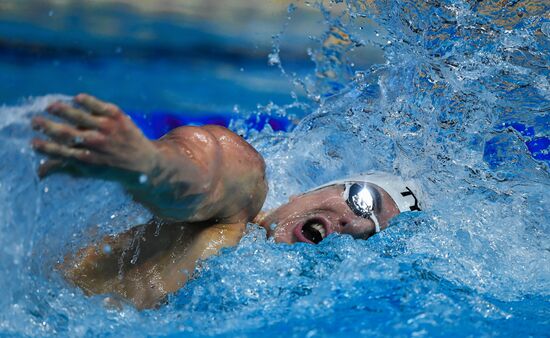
(312, 231)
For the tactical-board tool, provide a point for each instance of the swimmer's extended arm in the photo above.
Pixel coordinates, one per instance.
(192, 174)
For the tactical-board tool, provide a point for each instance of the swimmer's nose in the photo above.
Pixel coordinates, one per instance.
(342, 224)
(356, 227)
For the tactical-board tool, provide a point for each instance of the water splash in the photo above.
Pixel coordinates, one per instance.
(461, 79)
(455, 75)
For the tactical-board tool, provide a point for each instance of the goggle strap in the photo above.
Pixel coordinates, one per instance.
(346, 191)
(376, 223)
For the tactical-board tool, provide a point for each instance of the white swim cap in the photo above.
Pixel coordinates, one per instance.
(405, 194)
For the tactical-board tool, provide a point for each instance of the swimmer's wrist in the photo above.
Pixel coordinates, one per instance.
(153, 165)
(147, 162)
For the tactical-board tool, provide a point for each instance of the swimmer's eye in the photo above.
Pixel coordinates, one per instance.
(361, 200)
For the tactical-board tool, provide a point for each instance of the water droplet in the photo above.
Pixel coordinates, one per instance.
(135, 257)
(78, 140)
(113, 216)
(46, 189)
(311, 333)
(291, 8)
(273, 59)
(107, 249)
(143, 178)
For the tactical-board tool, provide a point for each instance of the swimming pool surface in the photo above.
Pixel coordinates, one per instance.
(460, 104)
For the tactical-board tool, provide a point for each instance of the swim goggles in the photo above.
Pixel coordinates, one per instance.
(362, 197)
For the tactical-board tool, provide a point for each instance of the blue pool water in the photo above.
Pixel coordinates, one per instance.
(461, 104)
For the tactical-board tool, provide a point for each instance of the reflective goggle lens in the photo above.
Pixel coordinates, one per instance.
(361, 201)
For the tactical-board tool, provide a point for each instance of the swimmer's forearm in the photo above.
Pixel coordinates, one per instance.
(165, 190)
(204, 174)
(182, 181)
(191, 174)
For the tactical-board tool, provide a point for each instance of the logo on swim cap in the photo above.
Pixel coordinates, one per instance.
(409, 192)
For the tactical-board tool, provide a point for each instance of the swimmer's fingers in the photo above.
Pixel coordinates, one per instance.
(67, 134)
(50, 166)
(59, 150)
(96, 106)
(57, 131)
(76, 116)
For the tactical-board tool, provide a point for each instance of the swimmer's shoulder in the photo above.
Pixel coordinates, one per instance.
(248, 181)
(243, 169)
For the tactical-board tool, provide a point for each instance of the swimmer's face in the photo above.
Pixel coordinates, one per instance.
(313, 216)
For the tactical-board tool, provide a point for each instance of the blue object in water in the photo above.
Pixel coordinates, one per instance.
(156, 124)
(539, 147)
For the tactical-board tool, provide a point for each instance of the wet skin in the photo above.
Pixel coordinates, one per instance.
(203, 184)
(327, 208)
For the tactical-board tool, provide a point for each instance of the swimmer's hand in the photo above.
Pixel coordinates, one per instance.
(96, 133)
(191, 174)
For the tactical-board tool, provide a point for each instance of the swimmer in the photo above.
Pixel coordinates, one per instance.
(203, 185)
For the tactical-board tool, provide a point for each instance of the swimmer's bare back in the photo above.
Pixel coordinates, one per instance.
(203, 184)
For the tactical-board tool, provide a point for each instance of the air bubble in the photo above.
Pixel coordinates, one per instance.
(107, 249)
